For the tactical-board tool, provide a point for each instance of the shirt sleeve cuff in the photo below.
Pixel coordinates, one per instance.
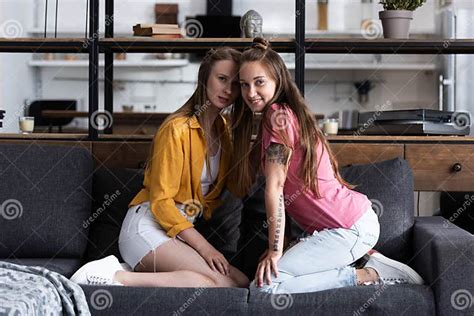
(176, 229)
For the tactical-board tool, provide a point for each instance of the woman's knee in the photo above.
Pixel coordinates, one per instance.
(205, 280)
(232, 280)
(240, 279)
(221, 280)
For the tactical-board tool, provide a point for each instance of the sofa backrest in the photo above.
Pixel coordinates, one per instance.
(114, 189)
(45, 195)
(389, 185)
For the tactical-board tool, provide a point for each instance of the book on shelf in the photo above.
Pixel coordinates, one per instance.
(156, 29)
(166, 36)
(146, 25)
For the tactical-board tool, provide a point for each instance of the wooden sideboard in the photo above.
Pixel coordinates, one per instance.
(439, 163)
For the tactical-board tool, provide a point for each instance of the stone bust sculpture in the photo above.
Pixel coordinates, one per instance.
(251, 24)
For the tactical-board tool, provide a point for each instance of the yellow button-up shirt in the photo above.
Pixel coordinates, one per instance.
(179, 151)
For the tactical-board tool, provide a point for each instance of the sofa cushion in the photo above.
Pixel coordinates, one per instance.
(45, 197)
(64, 266)
(359, 300)
(389, 185)
(112, 192)
(125, 300)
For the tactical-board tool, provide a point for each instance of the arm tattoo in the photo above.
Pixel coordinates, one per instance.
(277, 153)
(279, 216)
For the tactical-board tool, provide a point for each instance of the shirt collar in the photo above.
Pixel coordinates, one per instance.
(194, 123)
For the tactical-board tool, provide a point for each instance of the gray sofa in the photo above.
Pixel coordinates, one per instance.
(69, 211)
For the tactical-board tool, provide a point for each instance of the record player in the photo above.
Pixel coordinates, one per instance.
(414, 122)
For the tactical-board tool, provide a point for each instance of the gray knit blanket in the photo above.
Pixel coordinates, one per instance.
(31, 290)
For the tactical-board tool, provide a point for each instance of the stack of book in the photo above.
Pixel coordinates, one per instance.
(157, 30)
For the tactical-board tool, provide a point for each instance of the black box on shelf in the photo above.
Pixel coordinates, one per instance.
(2, 115)
(214, 26)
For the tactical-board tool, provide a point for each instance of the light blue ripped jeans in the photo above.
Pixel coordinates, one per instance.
(321, 261)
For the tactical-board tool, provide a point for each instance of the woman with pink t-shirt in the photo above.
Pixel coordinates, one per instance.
(302, 179)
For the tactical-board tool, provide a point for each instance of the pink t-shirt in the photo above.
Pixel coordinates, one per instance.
(338, 207)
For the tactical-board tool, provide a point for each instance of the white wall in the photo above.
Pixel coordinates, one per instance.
(126, 13)
(342, 14)
(167, 96)
(16, 78)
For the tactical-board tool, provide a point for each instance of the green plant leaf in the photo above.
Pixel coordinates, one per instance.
(409, 5)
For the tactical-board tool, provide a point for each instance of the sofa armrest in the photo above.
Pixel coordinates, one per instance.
(444, 257)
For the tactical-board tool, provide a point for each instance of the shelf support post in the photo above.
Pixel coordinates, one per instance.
(93, 43)
(300, 44)
(109, 65)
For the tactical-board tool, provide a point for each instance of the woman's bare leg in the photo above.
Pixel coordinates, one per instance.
(176, 264)
(180, 278)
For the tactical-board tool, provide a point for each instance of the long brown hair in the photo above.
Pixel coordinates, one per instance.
(198, 102)
(246, 157)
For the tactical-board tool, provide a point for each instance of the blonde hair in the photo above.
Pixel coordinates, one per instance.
(247, 153)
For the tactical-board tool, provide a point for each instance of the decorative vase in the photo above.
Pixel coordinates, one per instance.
(396, 23)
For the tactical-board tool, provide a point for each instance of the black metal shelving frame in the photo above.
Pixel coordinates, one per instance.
(93, 45)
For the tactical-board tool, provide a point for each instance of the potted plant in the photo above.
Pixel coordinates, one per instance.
(397, 16)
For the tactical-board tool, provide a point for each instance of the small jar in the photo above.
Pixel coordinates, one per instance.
(330, 126)
(27, 124)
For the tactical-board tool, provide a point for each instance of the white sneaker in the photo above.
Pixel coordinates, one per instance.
(391, 271)
(98, 272)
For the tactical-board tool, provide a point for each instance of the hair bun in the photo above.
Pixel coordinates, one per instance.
(261, 43)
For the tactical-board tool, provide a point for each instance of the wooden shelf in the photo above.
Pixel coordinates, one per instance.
(76, 31)
(43, 45)
(331, 138)
(389, 46)
(158, 63)
(183, 45)
(365, 66)
(46, 136)
(313, 45)
(401, 139)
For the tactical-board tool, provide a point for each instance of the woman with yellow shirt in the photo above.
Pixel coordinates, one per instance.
(184, 178)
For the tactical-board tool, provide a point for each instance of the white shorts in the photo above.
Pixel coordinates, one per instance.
(140, 234)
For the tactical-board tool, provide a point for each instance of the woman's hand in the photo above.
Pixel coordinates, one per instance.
(266, 266)
(263, 255)
(215, 260)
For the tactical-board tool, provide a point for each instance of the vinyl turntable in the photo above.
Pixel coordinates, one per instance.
(414, 122)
